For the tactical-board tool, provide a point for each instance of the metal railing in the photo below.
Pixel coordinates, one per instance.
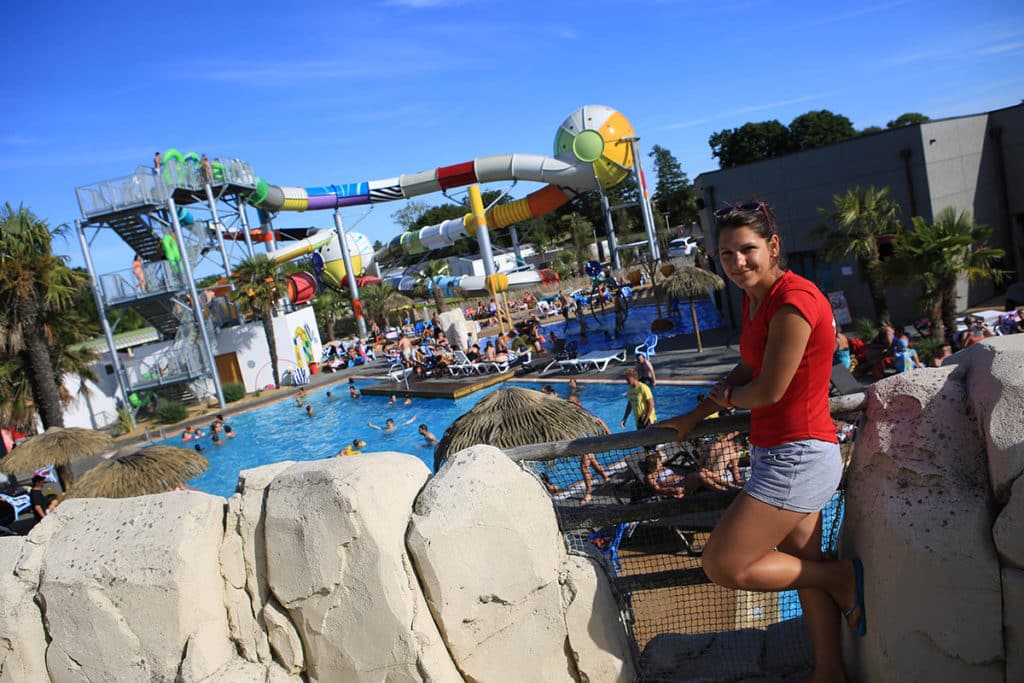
(651, 542)
(142, 188)
(124, 285)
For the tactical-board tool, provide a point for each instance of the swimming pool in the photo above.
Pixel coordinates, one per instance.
(282, 431)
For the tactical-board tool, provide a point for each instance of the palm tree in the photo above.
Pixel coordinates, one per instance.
(861, 218)
(328, 306)
(689, 282)
(373, 298)
(427, 277)
(258, 285)
(938, 255)
(33, 284)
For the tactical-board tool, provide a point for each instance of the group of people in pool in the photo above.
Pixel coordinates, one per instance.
(219, 430)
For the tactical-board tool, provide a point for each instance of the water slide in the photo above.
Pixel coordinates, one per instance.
(590, 151)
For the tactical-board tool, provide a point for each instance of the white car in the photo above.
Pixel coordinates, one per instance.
(682, 246)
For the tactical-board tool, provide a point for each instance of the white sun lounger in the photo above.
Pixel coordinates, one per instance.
(598, 360)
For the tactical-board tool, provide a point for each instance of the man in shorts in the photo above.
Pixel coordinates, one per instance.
(640, 401)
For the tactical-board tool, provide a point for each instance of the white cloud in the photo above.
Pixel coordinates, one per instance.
(746, 110)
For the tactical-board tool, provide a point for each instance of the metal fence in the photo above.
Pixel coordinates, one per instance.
(647, 505)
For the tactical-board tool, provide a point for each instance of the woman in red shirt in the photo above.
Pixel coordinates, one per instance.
(770, 537)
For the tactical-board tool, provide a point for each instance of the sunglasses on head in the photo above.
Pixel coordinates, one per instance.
(749, 206)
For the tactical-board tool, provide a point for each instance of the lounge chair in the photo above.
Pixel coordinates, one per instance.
(842, 382)
(599, 360)
(562, 351)
(398, 372)
(18, 503)
(463, 366)
(647, 348)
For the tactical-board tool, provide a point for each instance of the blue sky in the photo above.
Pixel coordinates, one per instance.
(344, 92)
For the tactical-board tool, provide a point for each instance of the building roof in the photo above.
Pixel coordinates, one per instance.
(122, 340)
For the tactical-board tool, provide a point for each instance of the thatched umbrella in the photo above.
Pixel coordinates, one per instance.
(137, 472)
(57, 446)
(516, 417)
(688, 282)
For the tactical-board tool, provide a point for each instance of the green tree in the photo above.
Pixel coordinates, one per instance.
(328, 307)
(869, 130)
(580, 231)
(36, 287)
(751, 142)
(908, 119)
(426, 277)
(258, 285)
(673, 193)
(858, 220)
(408, 215)
(817, 128)
(373, 298)
(938, 255)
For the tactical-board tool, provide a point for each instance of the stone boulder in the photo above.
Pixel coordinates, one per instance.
(22, 639)
(993, 370)
(244, 566)
(336, 561)
(488, 554)
(130, 589)
(598, 639)
(456, 328)
(919, 516)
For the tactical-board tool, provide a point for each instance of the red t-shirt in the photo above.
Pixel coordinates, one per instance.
(803, 412)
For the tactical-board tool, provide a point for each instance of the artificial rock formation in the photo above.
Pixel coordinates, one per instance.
(336, 561)
(933, 508)
(495, 573)
(304, 575)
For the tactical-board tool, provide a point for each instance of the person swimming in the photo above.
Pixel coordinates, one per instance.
(352, 448)
(427, 435)
(390, 426)
(352, 391)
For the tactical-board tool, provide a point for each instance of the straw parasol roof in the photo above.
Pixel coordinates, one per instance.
(57, 446)
(136, 472)
(689, 282)
(514, 416)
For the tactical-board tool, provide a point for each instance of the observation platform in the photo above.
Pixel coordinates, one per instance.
(446, 387)
(146, 190)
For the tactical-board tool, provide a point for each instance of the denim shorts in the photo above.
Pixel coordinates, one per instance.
(800, 475)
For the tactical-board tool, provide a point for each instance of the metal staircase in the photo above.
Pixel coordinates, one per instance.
(139, 235)
(141, 209)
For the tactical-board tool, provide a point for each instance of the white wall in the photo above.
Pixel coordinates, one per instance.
(94, 409)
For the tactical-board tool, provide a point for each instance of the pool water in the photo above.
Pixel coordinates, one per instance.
(282, 431)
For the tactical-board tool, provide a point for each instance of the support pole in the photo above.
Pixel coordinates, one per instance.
(244, 220)
(645, 202)
(218, 229)
(483, 238)
(357, 305)
(196, 308)
(98, 296)
(613, 245)
(515, 245)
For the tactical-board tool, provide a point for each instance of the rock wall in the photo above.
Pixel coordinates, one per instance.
(304, 574)
(935, 507)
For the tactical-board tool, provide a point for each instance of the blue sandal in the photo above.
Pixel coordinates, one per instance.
(862, 626)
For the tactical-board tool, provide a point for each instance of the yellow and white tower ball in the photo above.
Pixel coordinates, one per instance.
(595, 134)
(359, 249)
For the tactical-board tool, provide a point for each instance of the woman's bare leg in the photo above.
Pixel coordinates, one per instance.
(741, 553)
(820, 611)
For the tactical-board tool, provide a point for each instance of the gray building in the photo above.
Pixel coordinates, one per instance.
(970, 162)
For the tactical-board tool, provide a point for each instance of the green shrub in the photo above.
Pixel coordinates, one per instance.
(124, 422)
(170, 412)
(927, 348)
(863, 329)
(233, 391)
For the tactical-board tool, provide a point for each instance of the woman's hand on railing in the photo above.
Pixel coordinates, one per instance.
(682, 424)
